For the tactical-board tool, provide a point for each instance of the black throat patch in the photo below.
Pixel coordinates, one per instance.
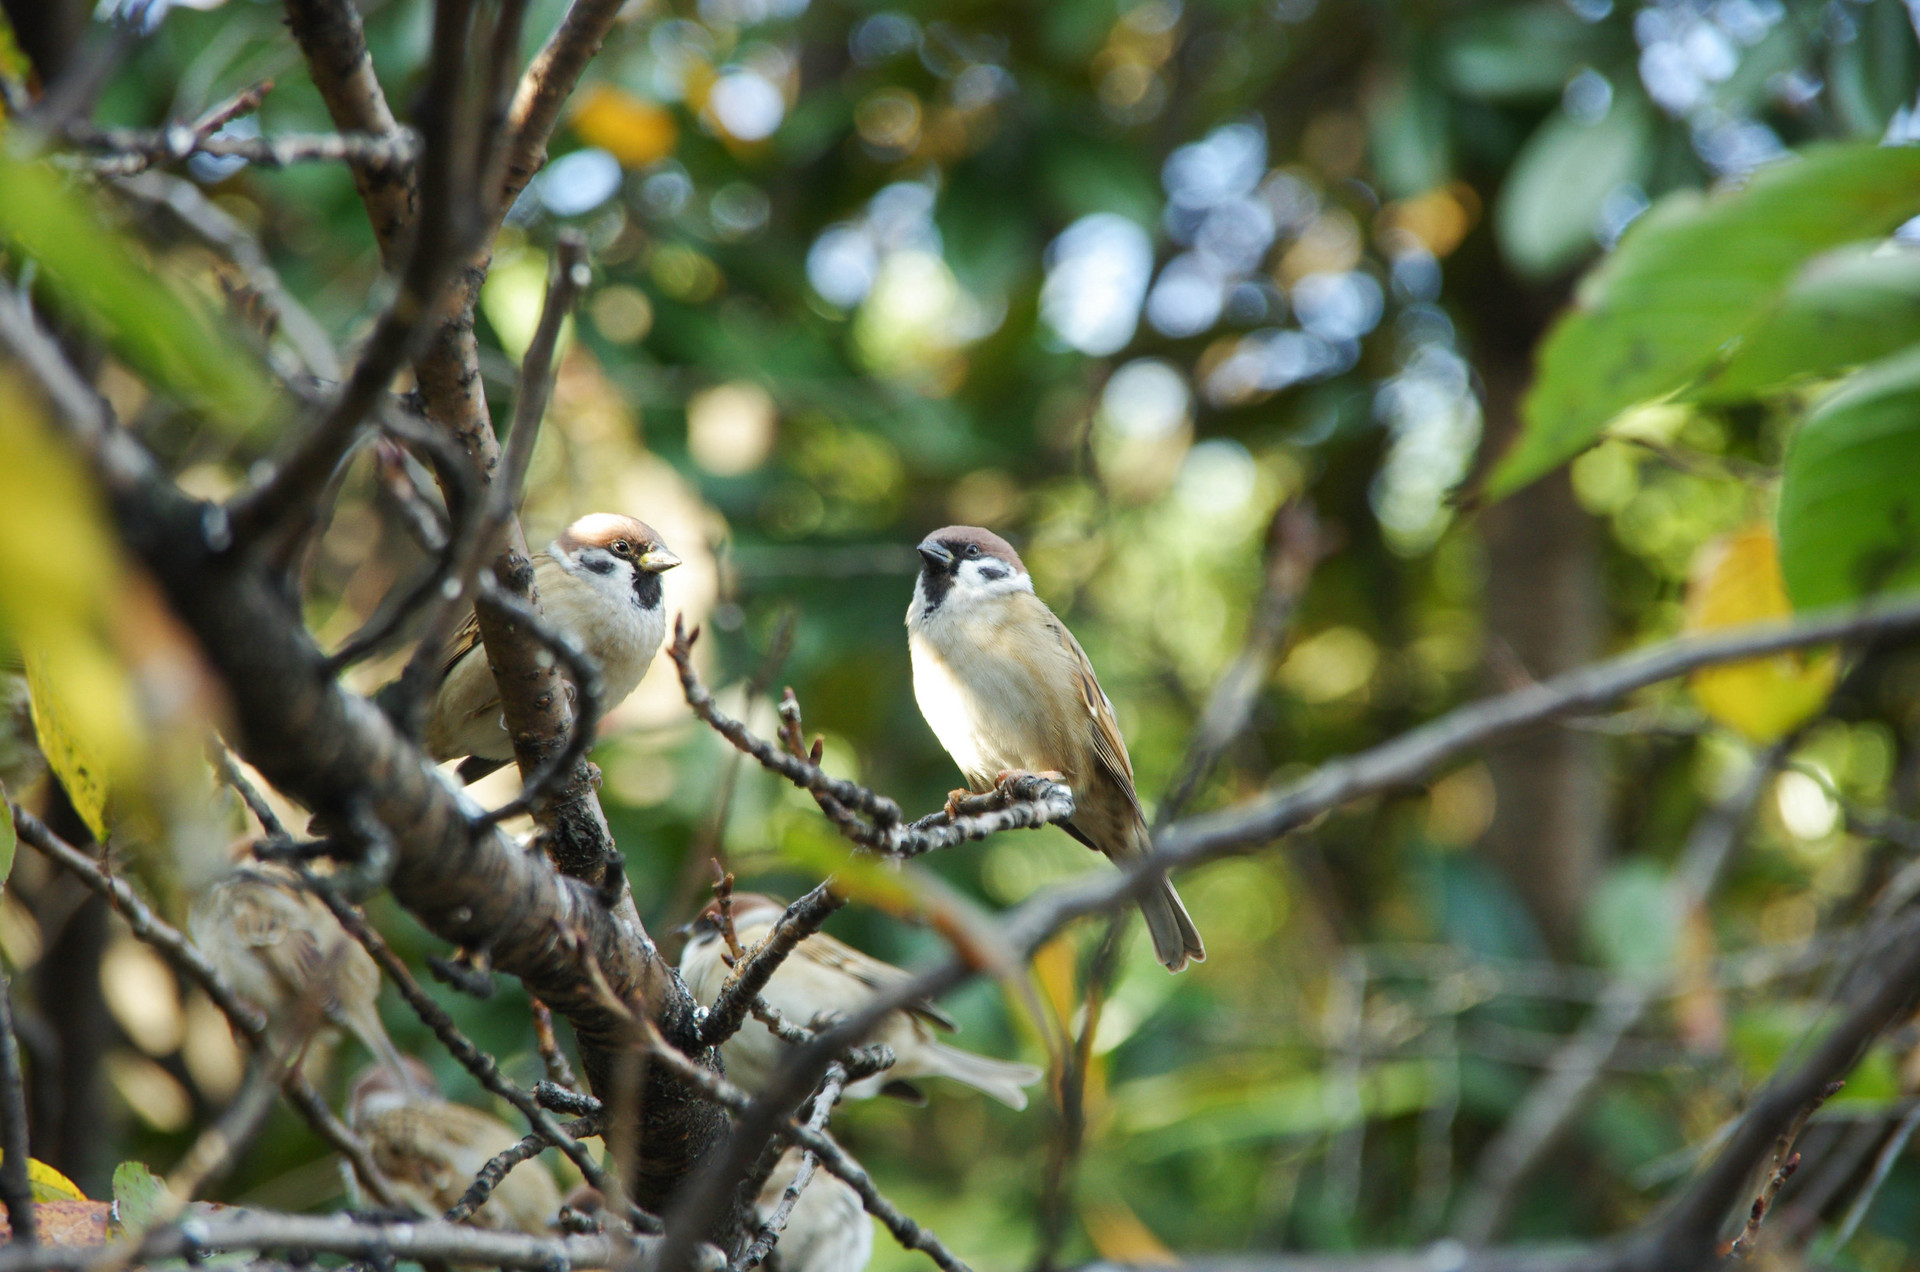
(646, 589)
(934, 585)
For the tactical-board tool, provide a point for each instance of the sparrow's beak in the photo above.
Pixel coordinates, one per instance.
(658, 561)
(936, 556)
(685, 929)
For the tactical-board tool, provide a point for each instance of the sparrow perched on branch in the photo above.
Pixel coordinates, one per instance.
(824, 979)
(828, 1229)
(1006, 688)
(283, 951)
(430, 1149)
(600, 583)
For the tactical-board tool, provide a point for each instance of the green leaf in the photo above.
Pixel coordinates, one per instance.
(1849, 501)
(1520, 51)
(1843, 310)
(1634, 919)
(1689, 277)
(1551, 201)
(148, 323)
(139, 1199)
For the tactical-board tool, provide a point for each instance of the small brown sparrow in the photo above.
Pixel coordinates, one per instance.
(281, 949)
(430, 1149)
(1006, 688)
(824, 978)
(828, 1229)
(600, 583)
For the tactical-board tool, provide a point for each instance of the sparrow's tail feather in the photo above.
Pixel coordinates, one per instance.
(1001, 1079)
(1175, 939)
(372, 1034)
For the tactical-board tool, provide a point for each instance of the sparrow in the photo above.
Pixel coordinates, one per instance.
(430, 1149)
(284, 953)
(1006, 688)
(828, 1229)
(600, 583)
(822, 979)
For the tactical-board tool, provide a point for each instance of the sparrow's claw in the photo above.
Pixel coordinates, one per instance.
(954, 799)
(1017, 783)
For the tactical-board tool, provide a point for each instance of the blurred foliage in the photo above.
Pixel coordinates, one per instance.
(1118, 279)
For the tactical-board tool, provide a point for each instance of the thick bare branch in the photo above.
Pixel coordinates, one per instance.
(550, 736)
(335, 44)
(550, 79)
(418, 1240)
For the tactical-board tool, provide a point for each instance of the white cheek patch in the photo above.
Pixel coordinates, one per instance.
(988, 577)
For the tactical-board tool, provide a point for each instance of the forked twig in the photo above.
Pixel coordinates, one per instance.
(1785, 1162)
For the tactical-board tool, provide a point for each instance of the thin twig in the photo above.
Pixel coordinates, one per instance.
(477, 1062)
(559, 1072)
(751, 972)
(126, 152)
(443, 234)
(187, 958)
(16, 1190)
(497, 1167)
(1574, 1072)
(1883, 1164)
(719, 1175)
(866, 817)
(776, 1223)
(806, 776)
(213, 1153)
(1296, 544)
(1785, 1162)
(589, 693)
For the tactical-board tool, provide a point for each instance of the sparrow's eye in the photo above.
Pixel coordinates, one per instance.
(622, 548)
(973, 549)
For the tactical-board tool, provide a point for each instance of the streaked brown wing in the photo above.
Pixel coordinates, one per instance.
(464, 639)
(272, 918)
(872, 973)
(1108, 745)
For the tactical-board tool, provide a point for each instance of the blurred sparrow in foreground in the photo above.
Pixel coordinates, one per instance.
(430, 1149)
(1006, 688)
(283, 951)
(822, 979)
(600, 583)
(828, 1229)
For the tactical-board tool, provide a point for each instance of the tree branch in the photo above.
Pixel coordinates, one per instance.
(331, 37)
(124, 152)
(182, 954)
(417, 1240)
(16, 1190)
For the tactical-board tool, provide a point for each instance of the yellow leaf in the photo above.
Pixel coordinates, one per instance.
(634, 131)
(1737, 580)
(59, 605)
(48, 1184)
(81, 743)
(1120, 1237)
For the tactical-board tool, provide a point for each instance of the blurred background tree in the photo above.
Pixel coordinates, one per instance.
(1117, 280)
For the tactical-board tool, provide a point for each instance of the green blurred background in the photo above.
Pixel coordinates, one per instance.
(1116, 280)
